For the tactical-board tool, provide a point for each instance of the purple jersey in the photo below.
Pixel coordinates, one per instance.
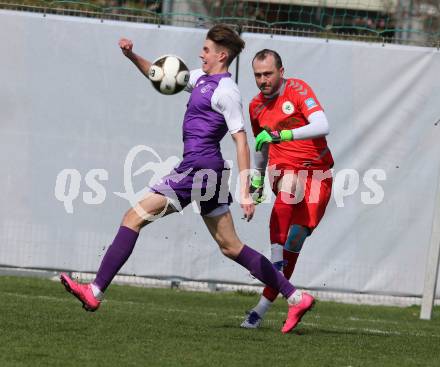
(214, 108)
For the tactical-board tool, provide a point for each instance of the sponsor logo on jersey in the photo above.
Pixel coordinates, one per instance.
(310, 103)
(288, 108)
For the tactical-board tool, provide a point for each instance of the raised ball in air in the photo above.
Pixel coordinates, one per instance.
(169, 74)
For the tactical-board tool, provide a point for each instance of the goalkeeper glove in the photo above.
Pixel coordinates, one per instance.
(273, 137)
(256, 189)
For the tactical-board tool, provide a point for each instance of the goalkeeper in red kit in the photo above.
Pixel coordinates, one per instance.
(290, 128)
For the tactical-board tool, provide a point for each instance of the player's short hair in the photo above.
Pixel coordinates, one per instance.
(224, 36)
(261, 55)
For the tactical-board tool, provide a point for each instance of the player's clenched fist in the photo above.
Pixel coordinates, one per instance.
(126, 46)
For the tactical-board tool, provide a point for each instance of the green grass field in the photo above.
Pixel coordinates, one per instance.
(42, 325)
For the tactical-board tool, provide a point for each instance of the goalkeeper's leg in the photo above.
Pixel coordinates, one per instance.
(287, 241)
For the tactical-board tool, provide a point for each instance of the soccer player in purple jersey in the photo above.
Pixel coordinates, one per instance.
(214, 108)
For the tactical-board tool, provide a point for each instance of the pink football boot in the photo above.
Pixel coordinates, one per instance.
(81, 291)
(296, 312)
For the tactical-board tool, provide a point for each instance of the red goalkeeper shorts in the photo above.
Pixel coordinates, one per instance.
(306, 206)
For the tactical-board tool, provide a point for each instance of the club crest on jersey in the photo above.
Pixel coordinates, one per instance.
(288, 108)
(206, 88)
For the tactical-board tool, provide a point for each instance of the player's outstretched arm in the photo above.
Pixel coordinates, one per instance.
(243, 160)
(142, 64)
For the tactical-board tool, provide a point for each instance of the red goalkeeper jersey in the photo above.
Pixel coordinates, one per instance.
(289, 110)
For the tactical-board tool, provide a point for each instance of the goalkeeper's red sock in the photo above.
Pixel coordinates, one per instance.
(290, 259)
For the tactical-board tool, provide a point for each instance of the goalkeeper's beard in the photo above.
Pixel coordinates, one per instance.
(266, 92)
(272, 89)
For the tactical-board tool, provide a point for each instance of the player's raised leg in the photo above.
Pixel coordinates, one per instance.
(284, 259)
(222, 230)
(150, 208)
(286, 243)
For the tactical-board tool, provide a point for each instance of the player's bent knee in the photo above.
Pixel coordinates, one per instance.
(230, 250)
(230, 253)
(135, 220)
(296, 238)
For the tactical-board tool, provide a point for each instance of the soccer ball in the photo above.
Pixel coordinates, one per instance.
(169, 74)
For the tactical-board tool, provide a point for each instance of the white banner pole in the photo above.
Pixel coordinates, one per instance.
(432, 262)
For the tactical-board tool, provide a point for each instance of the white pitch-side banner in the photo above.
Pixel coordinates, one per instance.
(82, 133)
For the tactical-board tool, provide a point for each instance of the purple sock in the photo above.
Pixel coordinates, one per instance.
(115, 257)
(262, 269)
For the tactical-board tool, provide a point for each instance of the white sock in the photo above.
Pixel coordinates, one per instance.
(262, 306)
(295, 297)
(276, 252)
(97, 292)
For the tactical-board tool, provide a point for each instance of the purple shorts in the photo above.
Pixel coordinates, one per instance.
(208, 187)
